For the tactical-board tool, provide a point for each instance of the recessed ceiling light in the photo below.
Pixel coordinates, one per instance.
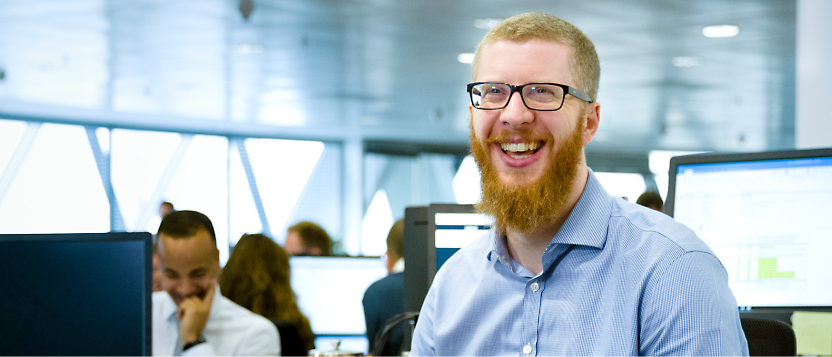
(721, 31)
(465, 58)
(486, 23)
(686, 61)
(248, 48)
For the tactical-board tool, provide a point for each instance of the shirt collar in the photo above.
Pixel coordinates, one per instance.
(169, 308)
(398, 267)
(588, 222)
(498, 250)
(586, 225)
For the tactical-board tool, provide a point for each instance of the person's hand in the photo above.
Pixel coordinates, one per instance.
(193, 315)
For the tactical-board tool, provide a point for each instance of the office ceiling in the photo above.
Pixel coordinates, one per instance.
(387, 71)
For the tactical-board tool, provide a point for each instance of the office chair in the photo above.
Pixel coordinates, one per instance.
(384, 333)
(290, 342)
(769, 337)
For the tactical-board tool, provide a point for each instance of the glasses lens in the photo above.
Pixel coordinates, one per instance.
(490, 95)
(543, 96)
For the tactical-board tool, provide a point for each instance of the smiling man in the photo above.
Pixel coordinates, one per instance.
(191, 317)
(568, 269)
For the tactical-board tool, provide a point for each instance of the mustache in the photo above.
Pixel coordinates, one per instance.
(200, 294)
(524, 135)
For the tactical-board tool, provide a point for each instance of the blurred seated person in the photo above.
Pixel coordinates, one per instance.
(257, 276)
(165, 208)
(383, 299)
(307, 238)
(651, 199)
(192, 318)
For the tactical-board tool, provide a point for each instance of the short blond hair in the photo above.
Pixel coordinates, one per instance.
(583, 59)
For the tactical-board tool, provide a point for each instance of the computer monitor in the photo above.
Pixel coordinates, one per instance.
(329, 292)
(454, 226)
(767, 216)
(76, 294)
(431, 235)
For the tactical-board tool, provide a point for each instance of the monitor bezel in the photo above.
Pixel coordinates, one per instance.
(718, 158)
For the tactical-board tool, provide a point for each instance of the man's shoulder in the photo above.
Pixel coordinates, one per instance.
(231, 315)
(161, 297)
(389, 281)
(238, 331)
(385, 286)
(644, 225)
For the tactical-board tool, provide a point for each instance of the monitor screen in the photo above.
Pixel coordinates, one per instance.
(330, 289)
(76, 294)
(454, 230)
(766, 216)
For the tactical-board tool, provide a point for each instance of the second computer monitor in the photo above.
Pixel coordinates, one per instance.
(432, 234)
(766, 216)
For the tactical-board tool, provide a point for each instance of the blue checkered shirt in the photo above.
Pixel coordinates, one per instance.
(618, 279)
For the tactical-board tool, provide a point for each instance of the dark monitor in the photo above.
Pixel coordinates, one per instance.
(76, 294)
(431, 235)
(767, 216)
(416, 274)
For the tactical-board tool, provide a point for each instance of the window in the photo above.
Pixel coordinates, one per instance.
(52, 182)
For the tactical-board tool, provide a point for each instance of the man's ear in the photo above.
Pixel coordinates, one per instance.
(592, 117)
(391, 261)
(315, 251)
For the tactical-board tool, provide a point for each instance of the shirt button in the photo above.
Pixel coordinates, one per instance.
(527, 349)
(535, 286)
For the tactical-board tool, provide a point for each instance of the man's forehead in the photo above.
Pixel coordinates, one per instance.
(199, 234)
(534, 42)
(198, 243)
(533, 58)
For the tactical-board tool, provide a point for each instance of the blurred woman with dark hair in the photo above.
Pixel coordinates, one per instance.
(257, 277)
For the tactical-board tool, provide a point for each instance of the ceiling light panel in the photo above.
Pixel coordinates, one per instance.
(465, 57)
(721, 31)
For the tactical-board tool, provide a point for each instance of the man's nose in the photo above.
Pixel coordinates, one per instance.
(188, 287)
(516, 113)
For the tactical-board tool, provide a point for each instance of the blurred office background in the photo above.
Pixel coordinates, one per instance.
(345, 112)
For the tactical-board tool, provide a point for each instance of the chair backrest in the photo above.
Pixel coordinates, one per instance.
(381, 338)
(290, 341)
(769, 337)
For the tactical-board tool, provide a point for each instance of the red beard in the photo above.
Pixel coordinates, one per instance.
(526, 208)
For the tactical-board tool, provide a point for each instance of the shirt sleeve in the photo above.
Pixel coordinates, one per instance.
(423, 342)
(264, 341)
(688, 309)
(202, 349)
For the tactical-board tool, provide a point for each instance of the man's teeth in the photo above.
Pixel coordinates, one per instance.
(520, 147)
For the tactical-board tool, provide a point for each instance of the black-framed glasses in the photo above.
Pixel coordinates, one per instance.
(536, 96)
